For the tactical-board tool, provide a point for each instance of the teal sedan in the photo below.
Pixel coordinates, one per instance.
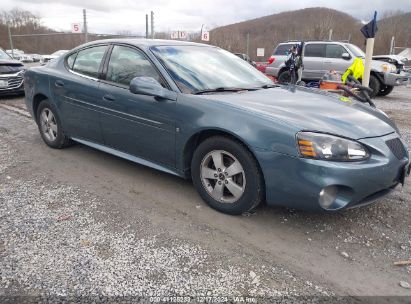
(199, 112)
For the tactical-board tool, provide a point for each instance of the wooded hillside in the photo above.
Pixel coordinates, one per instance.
(265, 32)
(309, 24)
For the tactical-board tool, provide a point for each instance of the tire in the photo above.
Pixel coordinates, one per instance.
(284, 77)
(232, 191)
(49, 125)
(374, 85)
(385, 90)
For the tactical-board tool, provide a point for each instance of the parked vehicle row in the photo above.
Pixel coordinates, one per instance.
(239, 137)
(47, 58)
(27, 58)
(323, 56)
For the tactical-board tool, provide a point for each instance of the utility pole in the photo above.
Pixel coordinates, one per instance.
(330, 35)
(146, 26)
(369, 31)
(85, 25)
(11, 41)
(392, 45)
(248, 43)
(152, 25)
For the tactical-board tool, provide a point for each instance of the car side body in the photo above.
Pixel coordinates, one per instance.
(164, 133)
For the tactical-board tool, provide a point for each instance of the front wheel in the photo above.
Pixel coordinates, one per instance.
(227, 176)
(374, 85)
(385, 90)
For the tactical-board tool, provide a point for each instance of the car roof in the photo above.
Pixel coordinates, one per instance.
(144, 42)
(313, 41)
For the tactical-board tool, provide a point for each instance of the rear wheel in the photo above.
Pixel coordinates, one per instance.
(227, 176)
(385, 90)
(49, 126)
(284, 77)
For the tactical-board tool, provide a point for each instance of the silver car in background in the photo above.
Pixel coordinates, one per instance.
(323, 56)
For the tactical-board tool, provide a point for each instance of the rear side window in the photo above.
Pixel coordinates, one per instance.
(334, 51)
(70, 60)
(282, 49)
(314, 50)
(88, 61)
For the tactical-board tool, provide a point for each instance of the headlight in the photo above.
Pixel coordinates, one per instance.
(386, 67)
(329, 147)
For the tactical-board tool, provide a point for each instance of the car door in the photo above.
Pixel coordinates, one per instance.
(313, 61)
(140, 125)
(333, 58)
(77, 93)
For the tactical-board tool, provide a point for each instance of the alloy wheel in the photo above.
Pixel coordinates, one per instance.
(48, 124)
(223, 176)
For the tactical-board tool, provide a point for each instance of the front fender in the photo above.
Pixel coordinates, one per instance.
(257, 131)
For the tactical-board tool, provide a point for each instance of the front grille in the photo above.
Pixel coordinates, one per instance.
(397, 148)
(13, 82)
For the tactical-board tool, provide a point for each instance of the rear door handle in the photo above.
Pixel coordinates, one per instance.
(59, 83)
(108, 98)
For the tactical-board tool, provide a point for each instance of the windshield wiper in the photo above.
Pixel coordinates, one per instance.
(221, 89)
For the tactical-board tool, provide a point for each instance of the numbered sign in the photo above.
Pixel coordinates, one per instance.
(260, 52)
(76, 28)
(182, 35)
(174, 35)
(205, 36)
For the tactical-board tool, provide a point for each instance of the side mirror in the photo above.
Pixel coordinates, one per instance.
(345, 56)
(147, 86)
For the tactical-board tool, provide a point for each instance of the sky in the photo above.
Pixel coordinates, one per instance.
(115, 16)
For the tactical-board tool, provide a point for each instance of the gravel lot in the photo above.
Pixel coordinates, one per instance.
(78, 222)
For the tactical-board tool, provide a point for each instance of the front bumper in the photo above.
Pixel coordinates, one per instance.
(14, 84)
(392, 79)
(273, 71)
(296, 182)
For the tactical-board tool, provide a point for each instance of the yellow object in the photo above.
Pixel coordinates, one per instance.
(306, 148)
(345, 99)
(356, 70)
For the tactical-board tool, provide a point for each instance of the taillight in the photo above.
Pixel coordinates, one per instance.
(271, 60)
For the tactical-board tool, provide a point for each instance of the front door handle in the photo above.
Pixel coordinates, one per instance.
(108, 97)
(59, 83)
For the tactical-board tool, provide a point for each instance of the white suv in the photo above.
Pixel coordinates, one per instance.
(323, 56)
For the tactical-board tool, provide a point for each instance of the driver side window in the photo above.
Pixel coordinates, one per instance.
(126, 63)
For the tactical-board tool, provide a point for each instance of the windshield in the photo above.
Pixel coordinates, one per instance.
(282, 49)
(355, 50)
(4, 55)
(59, 53)
(198, 68)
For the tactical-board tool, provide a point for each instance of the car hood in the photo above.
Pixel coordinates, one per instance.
(377, 65)
(308, 109)
(50, 56)
(9, 66)
(391, 58)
